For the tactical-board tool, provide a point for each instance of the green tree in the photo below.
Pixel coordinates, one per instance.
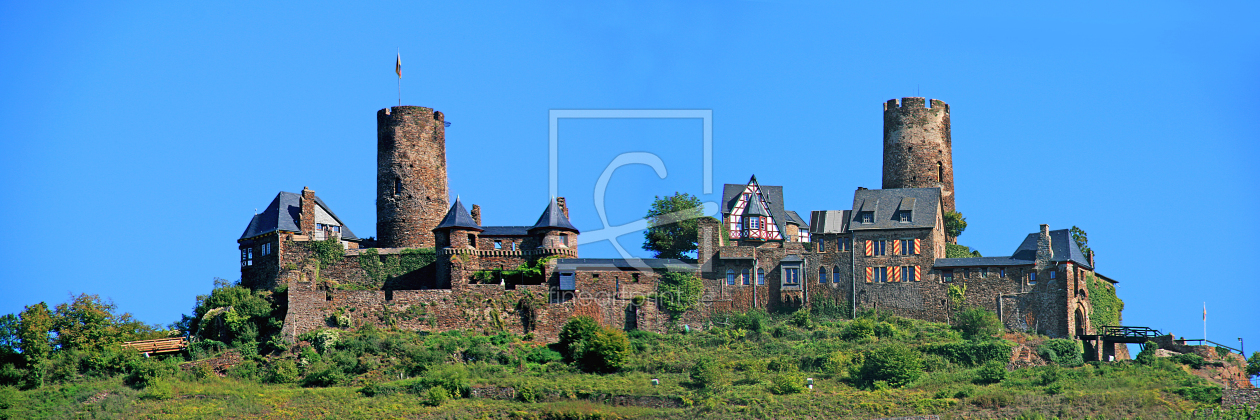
(1082, 242)
(678, 293)
(573, 336)
(236, 314)
(88, 323)
(673, 226)
(896, 365)
(955, 224)
(1253, 364)
(9, 342)
(977, 323)
(607, 351)
(34, 331)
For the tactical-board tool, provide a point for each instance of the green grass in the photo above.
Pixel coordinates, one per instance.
(751, 360)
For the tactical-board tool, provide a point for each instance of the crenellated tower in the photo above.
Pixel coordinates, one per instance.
(917, 147)
(411, 185)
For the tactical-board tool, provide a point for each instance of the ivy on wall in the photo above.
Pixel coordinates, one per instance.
(1107, 306)
(327, 251)
(380, 269)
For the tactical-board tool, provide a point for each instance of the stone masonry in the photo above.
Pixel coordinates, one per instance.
(411, 184)
(917, 147)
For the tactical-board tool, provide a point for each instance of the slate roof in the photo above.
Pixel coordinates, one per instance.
(505, 231)
(773, 195)
(829, 221)
(1062, 248)
(458, 217)
(553, 218)
(924, 204)
(283, 214)
(607, 264)
(796, 218)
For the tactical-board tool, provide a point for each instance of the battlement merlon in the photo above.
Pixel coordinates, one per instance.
(909, 103)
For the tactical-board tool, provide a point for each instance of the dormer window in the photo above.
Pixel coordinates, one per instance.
(868, 217)
(903, 216)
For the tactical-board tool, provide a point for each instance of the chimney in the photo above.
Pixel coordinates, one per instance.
(476, 214)
(306, 222)
(1091, 260)
(1044, 248)
(563, 207)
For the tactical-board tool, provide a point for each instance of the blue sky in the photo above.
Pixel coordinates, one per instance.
(136, 140)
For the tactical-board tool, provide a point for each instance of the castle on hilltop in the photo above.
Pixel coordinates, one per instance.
(434, 266)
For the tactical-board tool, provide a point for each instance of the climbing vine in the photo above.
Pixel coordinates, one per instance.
(1106, 304)
(327, 251)
(379, 270)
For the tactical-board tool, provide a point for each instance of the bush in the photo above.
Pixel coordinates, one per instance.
(801, 319)
(283, 371)
(859, 328)
(145, 372)
(972, 353)
(977, 323)
(895, 364)
(708, 375)
(574, 333)
(436, 396)
(1062, 352)
(753, 320)
(1193, 360)
(606, 352)
(992, 372)
(1253, 364)
(786, 383)
(1147, 356)
(373, 389)
(323, 374)
(1208, 394)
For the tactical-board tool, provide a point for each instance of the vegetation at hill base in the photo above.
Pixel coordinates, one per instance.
(66, 362)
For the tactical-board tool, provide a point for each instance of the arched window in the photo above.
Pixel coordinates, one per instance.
(730, 277)
(761, 276)
(940, 172)
(835, 274)
(822, 275)
(745, 279)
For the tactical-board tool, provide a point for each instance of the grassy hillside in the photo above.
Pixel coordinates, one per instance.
(752, 365)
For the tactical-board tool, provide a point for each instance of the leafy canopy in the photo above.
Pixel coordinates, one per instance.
(1082, 241)
(673, 226)
(955, 224)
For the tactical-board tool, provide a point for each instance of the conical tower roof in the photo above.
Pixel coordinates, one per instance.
(553, 218)
(458, 218)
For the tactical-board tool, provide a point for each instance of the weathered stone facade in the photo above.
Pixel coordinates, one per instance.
(411, 183)
(918, 147)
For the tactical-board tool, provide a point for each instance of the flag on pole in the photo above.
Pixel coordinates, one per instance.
(1204, 311)
(398, 65)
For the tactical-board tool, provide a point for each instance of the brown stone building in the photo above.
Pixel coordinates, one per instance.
(436, 266)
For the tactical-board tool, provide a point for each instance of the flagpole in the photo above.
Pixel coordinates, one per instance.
(398, 69)
(1205, 323)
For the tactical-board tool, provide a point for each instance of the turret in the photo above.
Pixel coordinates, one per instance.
(917, 147)
(411, 186)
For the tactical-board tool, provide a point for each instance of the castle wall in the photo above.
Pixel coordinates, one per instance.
(411, 183)
(918, 147)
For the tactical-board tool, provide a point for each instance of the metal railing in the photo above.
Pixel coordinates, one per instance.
(1123, 331)
(1214, 343)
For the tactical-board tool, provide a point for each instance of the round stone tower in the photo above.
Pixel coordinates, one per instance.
(917, 150)
(410, 176)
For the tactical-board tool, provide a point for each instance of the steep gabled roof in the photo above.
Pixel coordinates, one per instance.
(771, 196)
(553, 218)
(792, 217)
(923, 204)
(458, 218)
(284, 214)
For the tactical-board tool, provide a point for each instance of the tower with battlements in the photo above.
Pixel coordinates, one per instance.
(917, 147)
(411, 185)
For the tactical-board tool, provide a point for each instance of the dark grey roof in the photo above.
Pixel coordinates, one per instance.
(608, 264)
(885, 204)
(505, 231)
(755, 208)
(791, 258)
(458, 217)
(284, 213)
(553, 218)
(1062, 248)
(796, 218)
(772, 194)
(829, 221)
(979, 262)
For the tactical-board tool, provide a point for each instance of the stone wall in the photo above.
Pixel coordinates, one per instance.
(1231, 398)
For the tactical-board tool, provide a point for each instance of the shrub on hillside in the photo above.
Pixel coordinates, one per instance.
(801, 318)
(787, 383)
(574, 333)
(708, 375)
(972, 353)
(895, 364)
(992, 372)
(1061, 351)
(607, 351)
(1147, 356)
(858, 329)
(977, 323)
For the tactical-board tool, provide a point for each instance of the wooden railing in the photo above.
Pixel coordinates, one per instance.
(159, 346)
